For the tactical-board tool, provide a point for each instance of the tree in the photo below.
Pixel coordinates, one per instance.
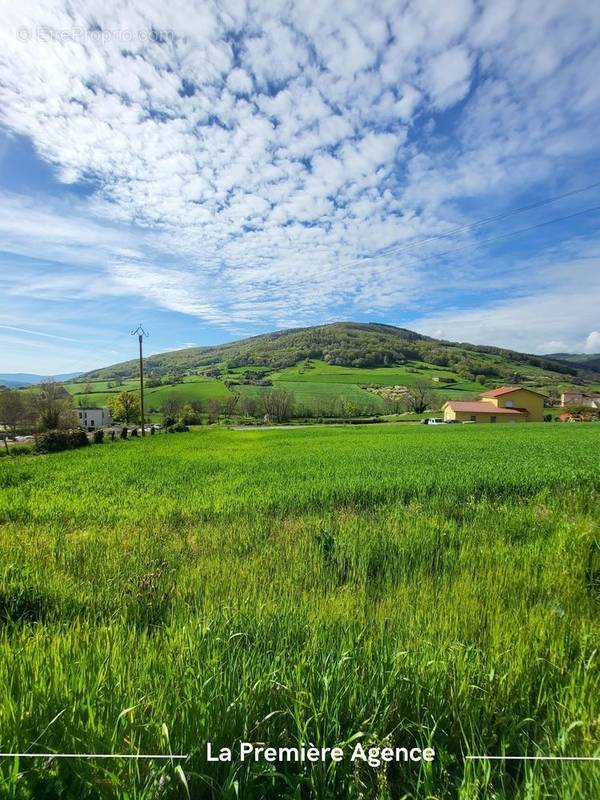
(55, 407)
(125, 407)
(419, 397)
(229, 404)
(348, 408)
(278, 404)
(249, 406)
(393, 405)
(172, 407)
(12, 409)
(88, 388)
(214, 409)
(189, 416)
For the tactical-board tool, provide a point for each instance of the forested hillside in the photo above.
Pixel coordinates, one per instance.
(348, 344)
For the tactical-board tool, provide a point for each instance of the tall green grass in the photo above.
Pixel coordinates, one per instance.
(435, 586)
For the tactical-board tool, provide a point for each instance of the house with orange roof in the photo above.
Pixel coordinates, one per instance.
(506, 404)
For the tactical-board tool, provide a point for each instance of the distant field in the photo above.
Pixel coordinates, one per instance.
(202, 389)
(320, 372)
(309, 393)
(195, 388)
(101, 386)
(399, 585)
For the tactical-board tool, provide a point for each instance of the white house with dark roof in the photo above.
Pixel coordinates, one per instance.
(92, 418)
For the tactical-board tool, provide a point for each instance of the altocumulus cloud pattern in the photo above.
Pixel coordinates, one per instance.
(251, 162)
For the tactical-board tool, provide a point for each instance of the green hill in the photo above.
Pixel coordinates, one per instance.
(361, 346)
(345, 367)
(582, 361)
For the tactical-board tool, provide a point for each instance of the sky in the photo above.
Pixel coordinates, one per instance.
(216, 170)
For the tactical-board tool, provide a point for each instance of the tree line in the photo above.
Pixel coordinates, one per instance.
(48, 407)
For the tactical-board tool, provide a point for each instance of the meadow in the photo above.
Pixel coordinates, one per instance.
(405, 375)
(322, 398)
(387, 584)
(192, 388)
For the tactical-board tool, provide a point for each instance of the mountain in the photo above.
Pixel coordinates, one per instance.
(350, 344)
(15, 379)
(585, 361)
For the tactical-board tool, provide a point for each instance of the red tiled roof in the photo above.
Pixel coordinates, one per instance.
(508, 390)
(475, 407)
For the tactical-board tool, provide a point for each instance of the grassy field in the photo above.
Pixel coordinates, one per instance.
(319, 396)
(397, 584)
(320, 372)
(202, 389)
(195, 388)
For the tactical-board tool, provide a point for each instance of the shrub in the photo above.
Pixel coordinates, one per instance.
(179, 427)
(51, 442)
(98, 436)
(190, 416)
(56, 440)
(123, 433)
(18, 450)
(77, 438)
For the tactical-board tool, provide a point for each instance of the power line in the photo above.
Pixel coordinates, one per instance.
(517, 232)
(398, 250)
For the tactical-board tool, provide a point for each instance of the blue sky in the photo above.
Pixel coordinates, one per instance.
(217, 170)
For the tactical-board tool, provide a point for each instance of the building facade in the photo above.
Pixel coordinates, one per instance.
(578, 398)
(506, 404)
(93, 418)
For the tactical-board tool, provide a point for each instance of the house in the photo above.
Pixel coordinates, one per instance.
(506, 404)
(579, 398)
(93, 418)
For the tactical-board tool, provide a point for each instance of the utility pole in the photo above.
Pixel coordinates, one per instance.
(140, 333)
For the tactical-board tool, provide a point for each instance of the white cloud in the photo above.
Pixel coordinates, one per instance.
(560, 299)
(448, 76)
(592, 343)
(244, 157)
(239, 81)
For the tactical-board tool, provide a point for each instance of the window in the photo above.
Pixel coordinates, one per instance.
(492, 419)
(473, 418)
(509, 404)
